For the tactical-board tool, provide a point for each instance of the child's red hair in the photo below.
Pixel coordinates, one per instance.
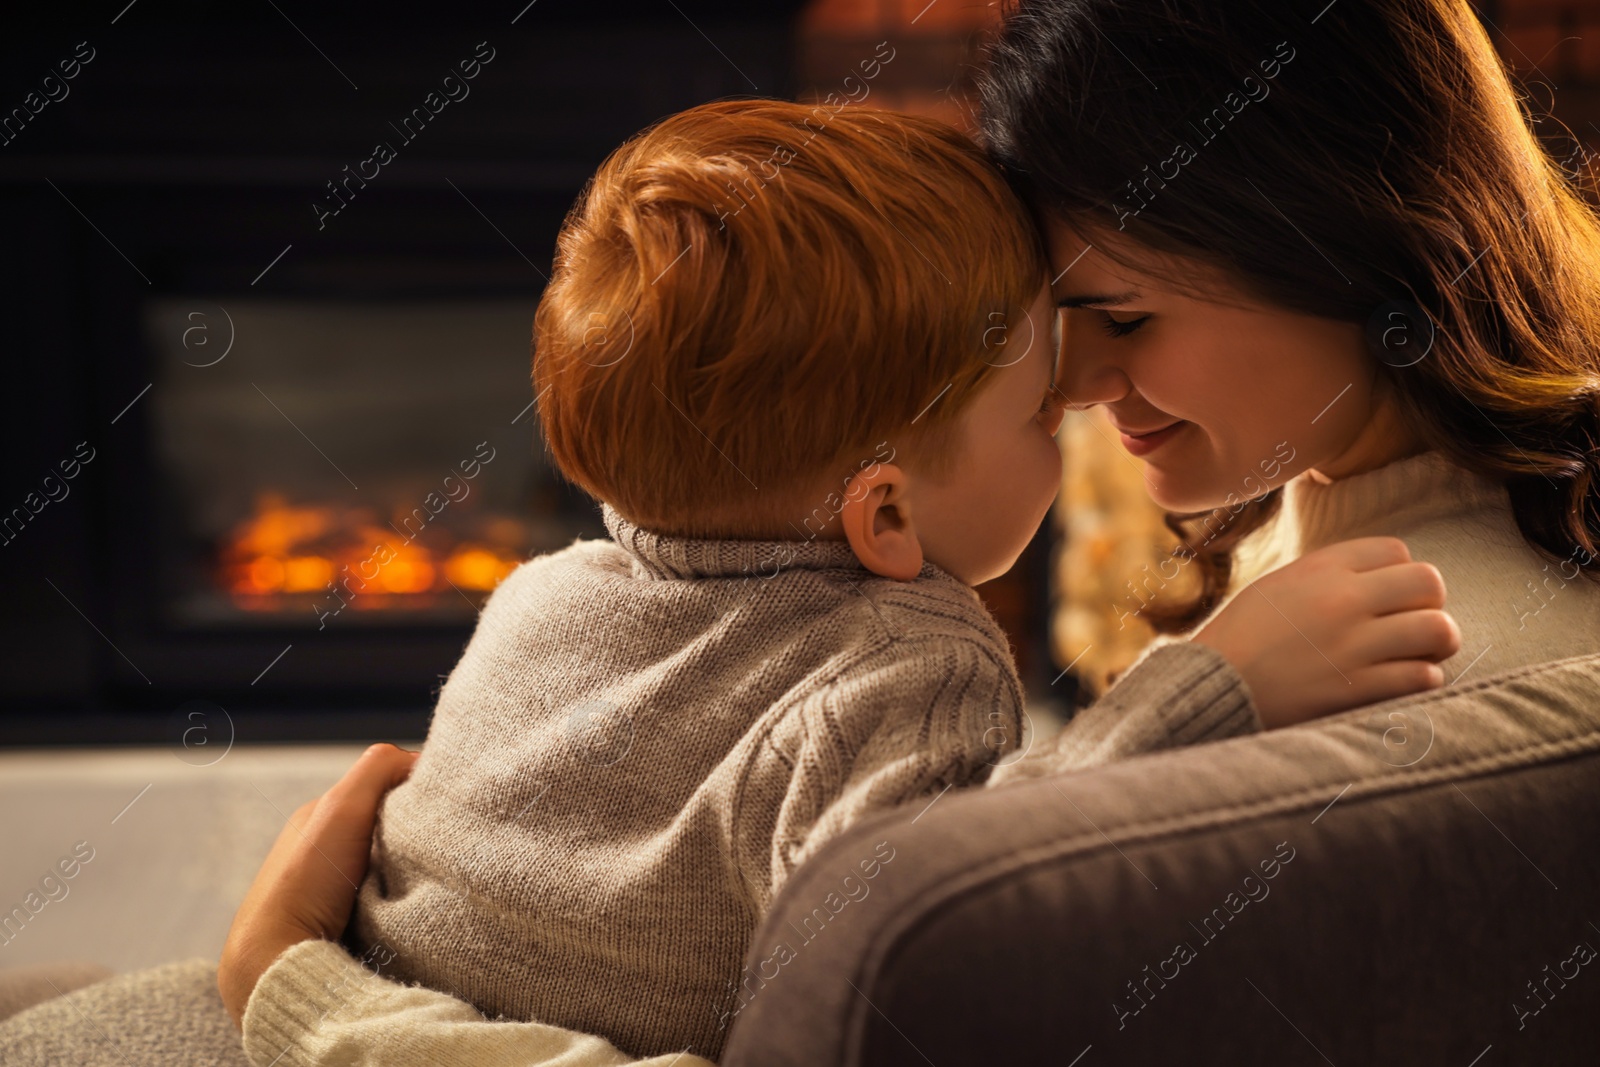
(751, 295)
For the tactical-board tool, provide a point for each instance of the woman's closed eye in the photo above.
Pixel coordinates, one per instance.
(1121, 327)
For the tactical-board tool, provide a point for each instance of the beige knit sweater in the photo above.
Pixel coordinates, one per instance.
(646, 735)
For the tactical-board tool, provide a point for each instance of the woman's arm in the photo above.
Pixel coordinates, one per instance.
(303, 1000)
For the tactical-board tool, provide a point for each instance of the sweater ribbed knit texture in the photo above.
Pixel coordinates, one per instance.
(317, 1007)
(643, 738)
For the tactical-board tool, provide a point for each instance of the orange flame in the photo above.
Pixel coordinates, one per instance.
(302, 549)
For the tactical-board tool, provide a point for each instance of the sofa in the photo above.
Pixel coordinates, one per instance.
(1416, 882)
(1411, 883)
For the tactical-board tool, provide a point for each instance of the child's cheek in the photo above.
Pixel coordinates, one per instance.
(1048, 450)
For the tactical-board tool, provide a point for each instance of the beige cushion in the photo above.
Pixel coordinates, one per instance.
(23, 987)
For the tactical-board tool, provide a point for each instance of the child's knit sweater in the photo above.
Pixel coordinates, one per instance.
(643, 739)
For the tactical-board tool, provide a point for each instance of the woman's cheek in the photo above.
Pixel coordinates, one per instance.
(1201, 368)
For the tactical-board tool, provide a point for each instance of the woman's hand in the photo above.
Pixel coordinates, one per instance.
(307, 886)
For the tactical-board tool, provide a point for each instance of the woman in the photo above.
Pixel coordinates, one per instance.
(1326, 284)
(1364, 172)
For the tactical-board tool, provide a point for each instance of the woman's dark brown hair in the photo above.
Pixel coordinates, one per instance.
(1343, 157)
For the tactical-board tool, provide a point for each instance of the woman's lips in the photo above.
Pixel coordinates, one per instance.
(1142, 444)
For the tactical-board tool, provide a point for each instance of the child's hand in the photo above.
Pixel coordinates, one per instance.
(1350, 624)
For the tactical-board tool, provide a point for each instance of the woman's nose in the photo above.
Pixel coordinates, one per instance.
(1086, 381)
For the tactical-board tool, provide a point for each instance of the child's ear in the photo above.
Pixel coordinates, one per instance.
(878, 523)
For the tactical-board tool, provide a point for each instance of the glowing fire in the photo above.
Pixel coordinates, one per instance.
(293, 549)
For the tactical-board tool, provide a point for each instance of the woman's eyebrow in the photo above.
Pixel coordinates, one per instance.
(1090, 300)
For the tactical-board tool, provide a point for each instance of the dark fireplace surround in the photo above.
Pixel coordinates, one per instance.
(270, 442)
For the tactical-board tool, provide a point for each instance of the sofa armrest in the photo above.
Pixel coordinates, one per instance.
(1319, 894)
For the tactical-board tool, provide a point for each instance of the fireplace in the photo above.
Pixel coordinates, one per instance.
(288, 370)
(323, 495)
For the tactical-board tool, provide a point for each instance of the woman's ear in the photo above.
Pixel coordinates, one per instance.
(878, 523)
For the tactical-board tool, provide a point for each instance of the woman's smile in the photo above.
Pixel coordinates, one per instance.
(1142, 443)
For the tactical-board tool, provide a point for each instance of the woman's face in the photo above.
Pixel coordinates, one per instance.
(1222, 397)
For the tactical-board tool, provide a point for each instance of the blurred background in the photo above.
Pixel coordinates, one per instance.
(245, 348)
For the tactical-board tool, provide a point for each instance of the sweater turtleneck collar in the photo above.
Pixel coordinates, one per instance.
(664, 556)
(1400, 495)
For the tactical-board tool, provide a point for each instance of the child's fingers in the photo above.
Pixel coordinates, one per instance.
(1403, 587)
(1387, 681)
(1370, 553)
(1427, 635)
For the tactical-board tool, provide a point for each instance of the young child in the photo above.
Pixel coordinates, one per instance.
(805, 361)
